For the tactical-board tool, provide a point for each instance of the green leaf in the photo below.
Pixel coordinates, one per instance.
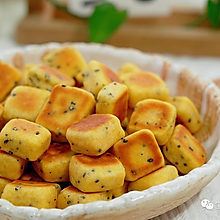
(104, 21)
(213, 12)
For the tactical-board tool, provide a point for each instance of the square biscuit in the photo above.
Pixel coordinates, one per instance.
(95, 134)
(66, 105)
(31, 193)
(184, 151)
(53, 165)
(96, 174)
(113, 99)
(96, 75)
(67, 60)
(3, 183)
(127, 68)
(12, 167)
(24, 139)
(71, 196)
(144, 85)
(139, 153)
(25, 102)
(162, 175)
(155, 115)
(10, 77)
(46, 77)
(187, 113)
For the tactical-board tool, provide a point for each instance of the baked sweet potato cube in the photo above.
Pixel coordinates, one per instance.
(95, 134)
(53, 165)
(144, 85)
(24, 139)
(25, 102)
(12, 167)
(155, 115)
(113, 99)
(71, 196)
(46, 77)
(10, 77)
(66, 105)
(66, 59)
(31, 193)
(184, 151)
(139, 153)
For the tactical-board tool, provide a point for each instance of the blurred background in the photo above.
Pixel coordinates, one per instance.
(161, 26)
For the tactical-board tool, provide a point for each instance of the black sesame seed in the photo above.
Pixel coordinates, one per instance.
(96, 181)
(63, 85)
(10, 152)
(150, 160)
(71, 108)
(37, 132)
(99, 150)
(15, 129)
(84, 174)
(97, 70)
(6, 141)
(189, 120)
(190, 148)
(178, 145)
(65, 112)
(124, 140)
(133, 171)
(185, 164)
(68, 202)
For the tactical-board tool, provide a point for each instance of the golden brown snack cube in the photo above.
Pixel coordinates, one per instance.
(162, 175)
(10, 77)
(95, 134)
(187, 113)
(95, 174)
(25, 102)
(127, 68)
(113, 99)
(144, 85)
(96, 75)
(46, 77)
(12, 167)
(53, 165)
(24, 139)
(155, 115)
(31, 193)
(184, 151)
(3, 183)
(116, 192)
(67, 60)
(71, 196)
(66, 105)
(139, 153)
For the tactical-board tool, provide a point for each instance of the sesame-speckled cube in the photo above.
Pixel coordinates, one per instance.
(155, 115)
(31, 193)
(46, 77)
(95, 174)
(184, 151)
(187, 113)
(25, 102)
(66, 59)
(144, 85)
(3, 183)
(96, 75)
(71, 196)
(113, 99)
(53, 165)
(66, 105)
(24, 139)
(139, 153)
(12, 167)
(10, 77)
(159, 176)
(95, 134)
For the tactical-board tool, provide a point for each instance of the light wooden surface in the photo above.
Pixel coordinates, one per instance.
(158, 35)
